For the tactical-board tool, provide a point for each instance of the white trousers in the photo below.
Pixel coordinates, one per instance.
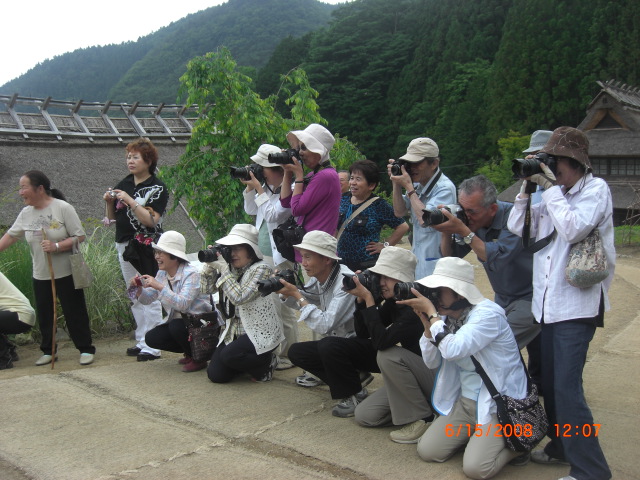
(146, 316)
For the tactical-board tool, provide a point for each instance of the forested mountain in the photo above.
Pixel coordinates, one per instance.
(148, 70)
(464, 72)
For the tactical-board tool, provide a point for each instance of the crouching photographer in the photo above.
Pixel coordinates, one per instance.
(253, 328)
(381, 324)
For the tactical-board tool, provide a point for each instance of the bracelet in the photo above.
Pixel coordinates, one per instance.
(57, 247)
(134, 208)
(410, 193)
(299, 181)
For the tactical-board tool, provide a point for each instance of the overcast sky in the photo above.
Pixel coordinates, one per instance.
(36, 30)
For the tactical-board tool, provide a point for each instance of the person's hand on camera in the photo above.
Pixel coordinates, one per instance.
(150, 282)
(288, 289)
(253, 183)
(219, 264)
(403, 180)
(361, 292)
(452, 225)
(546, 180)
(295, 169)
(110, 195)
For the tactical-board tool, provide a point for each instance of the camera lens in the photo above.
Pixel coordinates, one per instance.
(208, 255)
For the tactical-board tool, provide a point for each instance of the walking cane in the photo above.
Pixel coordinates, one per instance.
(55, 305)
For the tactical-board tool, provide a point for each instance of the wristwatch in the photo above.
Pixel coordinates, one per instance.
(435, 315)
(468, 238)
(300, 300)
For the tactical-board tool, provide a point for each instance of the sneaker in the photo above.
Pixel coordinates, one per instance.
(145, 357)
(365, 379)
(267, 377)
(44, 360)
(308, 380)
(133, 351)
(410, 433)
(347, 406)
(86, 358)
(539, 456)
(520, 460)
(284, 363)
(192, 366)
(184, 360)
(568, 477)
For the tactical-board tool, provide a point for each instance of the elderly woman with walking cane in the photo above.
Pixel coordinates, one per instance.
(48, 212)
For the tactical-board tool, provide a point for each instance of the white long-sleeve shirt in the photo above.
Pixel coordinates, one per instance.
(574, 214)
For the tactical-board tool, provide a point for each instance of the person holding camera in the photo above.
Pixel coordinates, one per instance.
(253, 329)
(362, 216)
(16, 316)
(263, 201)
(177, 287)
(387, 341)
(418, 173)
(315, 198)
(460, 324)
(137, 204)
(324, 306)
(509, 266)
(574, 204)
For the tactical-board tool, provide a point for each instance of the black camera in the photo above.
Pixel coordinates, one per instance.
(272, 284)
(396, 167)
(244, 173)
(211, 254)
(436, 217)
(525, 167)
(368, 279)
(284, 158)
(402, 291)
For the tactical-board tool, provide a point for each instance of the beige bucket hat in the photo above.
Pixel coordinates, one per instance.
(321, 243)
(457, 274)
(397, 263)
(173, 243)
(243, 233)
(262, 155)
(315, 137)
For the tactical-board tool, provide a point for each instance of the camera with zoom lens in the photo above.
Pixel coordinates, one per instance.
(244, 173)
(396, 167)
(272, 284)
(525, 167)
(402, 291)
(284, 158)
(211, 254)
(368, 279)
(436, 217)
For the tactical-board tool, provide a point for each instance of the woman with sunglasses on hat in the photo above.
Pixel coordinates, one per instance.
(574, 204)
(177, 287)
(253, 329)
(464, 323)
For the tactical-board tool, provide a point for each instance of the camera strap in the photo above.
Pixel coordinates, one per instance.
(354, 215)
(432, 184)
(526, 232)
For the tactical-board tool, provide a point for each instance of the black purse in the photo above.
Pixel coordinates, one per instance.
(286, 235)
(524, 421)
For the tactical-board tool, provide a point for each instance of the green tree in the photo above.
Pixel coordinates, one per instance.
(233, 121)
(498, 170)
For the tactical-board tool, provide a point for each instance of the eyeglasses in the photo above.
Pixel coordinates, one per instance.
(303, 147)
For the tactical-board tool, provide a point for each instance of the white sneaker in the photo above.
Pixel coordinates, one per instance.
(86, 358)
(410, 433)
(284, 363)
(308, 380)
(44, 360)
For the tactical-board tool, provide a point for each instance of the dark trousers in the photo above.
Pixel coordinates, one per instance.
(564, 352)
(239, 356)
(10, 323)
(74, 308)
(534, 353)
(337, 362)
(171, 336)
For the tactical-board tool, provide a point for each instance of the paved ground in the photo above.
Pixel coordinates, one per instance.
(119, 419)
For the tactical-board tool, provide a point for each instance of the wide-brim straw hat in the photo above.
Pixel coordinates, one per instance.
(262, 155)
(243, 233)
(569, 142)
(419, 149)
(316, 139)
(457, 274)
(538, 140)
(397, 263)
(173, 243)
(321, 243)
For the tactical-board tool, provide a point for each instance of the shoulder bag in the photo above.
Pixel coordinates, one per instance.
(354, 215)
(80, 271)
(587, 263)
(524, 421)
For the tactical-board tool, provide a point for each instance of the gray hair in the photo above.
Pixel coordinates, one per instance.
(480, 183)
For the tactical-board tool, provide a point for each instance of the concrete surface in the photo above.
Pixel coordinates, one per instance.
(119, 419)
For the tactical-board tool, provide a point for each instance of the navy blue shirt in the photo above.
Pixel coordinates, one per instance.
(508, 266)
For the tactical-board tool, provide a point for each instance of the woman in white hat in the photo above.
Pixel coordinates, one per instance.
(177, 287)
(464, 324)
(254, 329)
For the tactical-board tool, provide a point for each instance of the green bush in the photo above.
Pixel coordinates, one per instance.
(107, 302)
